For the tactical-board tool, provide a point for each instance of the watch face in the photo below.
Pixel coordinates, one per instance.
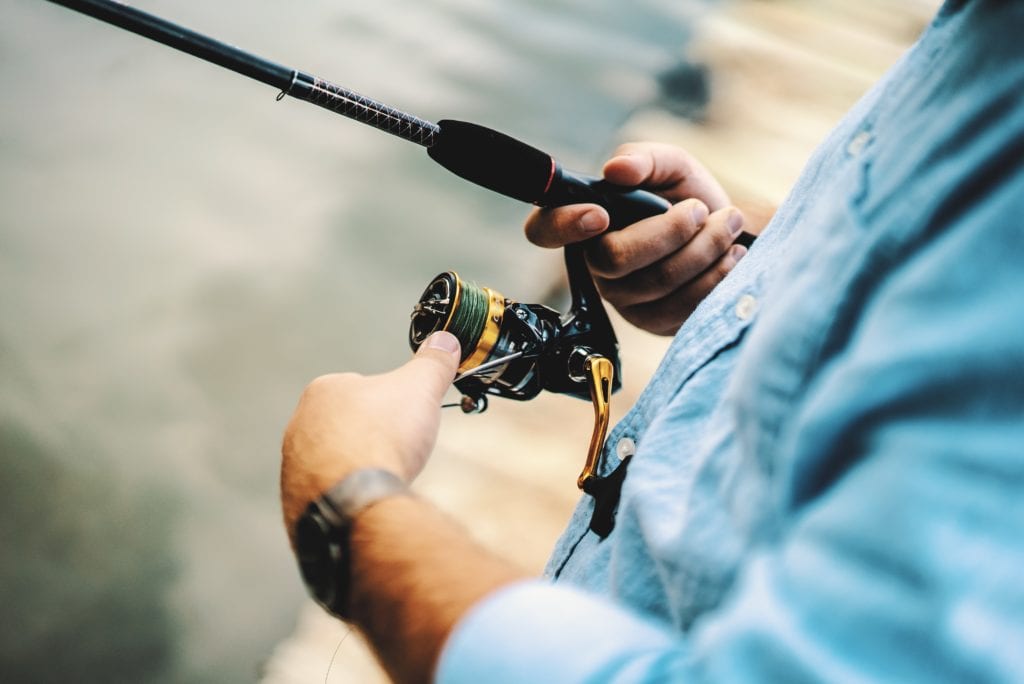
(319, 554)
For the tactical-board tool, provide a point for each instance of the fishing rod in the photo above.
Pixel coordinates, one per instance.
(509, 349)
(481, 155)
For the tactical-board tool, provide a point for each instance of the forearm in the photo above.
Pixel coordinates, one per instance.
(415, 573)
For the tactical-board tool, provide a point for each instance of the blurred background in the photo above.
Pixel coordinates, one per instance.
(180, 254)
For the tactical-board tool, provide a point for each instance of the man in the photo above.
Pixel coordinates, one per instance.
(828, 477)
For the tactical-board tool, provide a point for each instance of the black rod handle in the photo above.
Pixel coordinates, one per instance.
(625, 206)
(509, 166)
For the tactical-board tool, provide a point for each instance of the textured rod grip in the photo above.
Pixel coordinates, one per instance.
(624, 205)
(360, 108)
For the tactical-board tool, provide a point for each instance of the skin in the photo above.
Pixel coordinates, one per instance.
(416, 572)
(323, 442)
(656, 271)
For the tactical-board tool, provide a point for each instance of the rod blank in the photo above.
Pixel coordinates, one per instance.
(289, 81)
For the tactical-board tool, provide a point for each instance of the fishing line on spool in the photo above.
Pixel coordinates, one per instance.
(468, 317)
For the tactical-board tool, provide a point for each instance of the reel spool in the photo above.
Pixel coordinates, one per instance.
(473, 314)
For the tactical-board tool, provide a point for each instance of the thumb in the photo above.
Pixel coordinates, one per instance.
(435, 363)
(670, 170)
(654, 165)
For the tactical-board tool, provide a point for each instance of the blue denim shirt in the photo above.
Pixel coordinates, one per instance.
(828, 482)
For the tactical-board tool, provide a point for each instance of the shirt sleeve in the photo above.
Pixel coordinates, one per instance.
(540, 632)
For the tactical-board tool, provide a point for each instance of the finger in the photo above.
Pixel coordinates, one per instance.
(433, 368)
(664, 316)
(666, 276)
(622, 252)
(700, 287)
(561, 226)
(667, 168)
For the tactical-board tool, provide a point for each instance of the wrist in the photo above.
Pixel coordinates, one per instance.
(415, 574)
(323, 533)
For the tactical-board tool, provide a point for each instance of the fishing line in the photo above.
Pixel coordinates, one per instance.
(334, 655)
(468, 319)
(493, 363)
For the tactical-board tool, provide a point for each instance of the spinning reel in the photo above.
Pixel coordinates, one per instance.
(516, 350)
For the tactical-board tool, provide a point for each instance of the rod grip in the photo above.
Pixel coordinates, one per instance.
(624, 205)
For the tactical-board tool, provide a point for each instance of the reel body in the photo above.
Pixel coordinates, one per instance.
(516, 350)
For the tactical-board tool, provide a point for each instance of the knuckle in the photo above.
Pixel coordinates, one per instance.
(538, 228)
(556, 227)
(326, 384)
(632, 147)
(318, 385)
(611, 258)
(661, 277)
(687, 219)
(690, 203)
(722, 237)
(721, 240)
(624, 148)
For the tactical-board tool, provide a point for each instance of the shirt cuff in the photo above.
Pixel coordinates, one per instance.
(539, 632)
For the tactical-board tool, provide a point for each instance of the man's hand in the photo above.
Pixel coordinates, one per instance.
(655, 271)
(348, 421)
(414, 572)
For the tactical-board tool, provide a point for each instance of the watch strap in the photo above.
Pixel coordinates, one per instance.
(358, 490)
(324, 531)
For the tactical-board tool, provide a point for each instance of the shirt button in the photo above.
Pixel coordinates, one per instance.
(858, 143)
(746, 307)
(625, 448)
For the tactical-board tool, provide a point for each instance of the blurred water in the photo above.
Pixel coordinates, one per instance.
(179, 255)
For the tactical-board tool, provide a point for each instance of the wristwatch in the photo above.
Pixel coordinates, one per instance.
(322, 534)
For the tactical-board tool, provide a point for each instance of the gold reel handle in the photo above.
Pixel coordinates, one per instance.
(600, 374)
